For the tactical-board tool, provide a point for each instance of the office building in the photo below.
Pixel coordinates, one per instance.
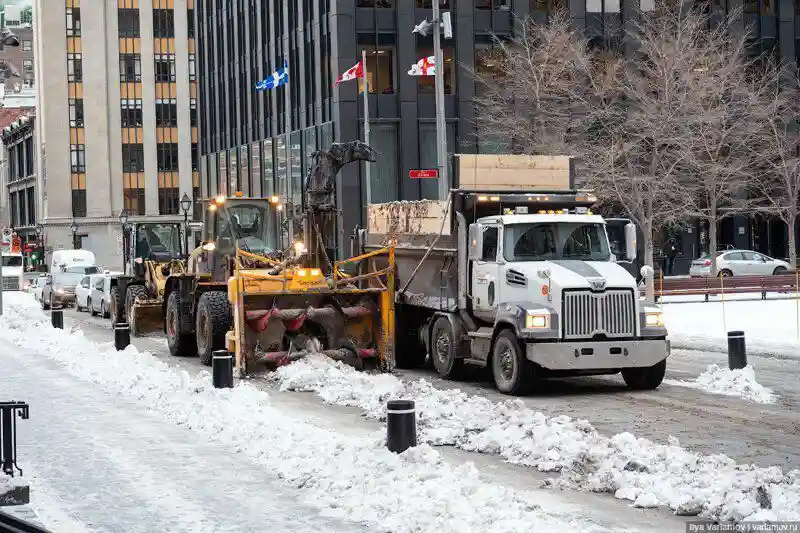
(115, 117)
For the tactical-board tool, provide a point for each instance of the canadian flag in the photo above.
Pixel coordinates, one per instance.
(353, 73)
(424, 67)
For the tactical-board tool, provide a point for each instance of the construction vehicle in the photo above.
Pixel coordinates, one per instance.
(152, 252)
(271, 307)
(514, 273)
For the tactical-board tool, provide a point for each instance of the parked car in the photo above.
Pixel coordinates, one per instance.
(59, 288)
(738, 263)
(82, 292)
(37, 287)
(100, 297)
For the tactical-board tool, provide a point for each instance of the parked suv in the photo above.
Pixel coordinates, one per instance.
(59, 288)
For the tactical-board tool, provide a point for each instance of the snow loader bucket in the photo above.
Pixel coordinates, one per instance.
(280, 319)
(146, 316)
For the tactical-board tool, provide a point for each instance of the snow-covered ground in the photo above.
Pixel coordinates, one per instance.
(644, 472)
(718, 380)
(770, 326)
(153, 472)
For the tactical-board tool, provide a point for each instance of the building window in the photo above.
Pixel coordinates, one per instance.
(190, 20)
(31, 207)
(165, 68)
(380, 69)
(133, 193)
(163, 23)
(27, 46)
(167, 112)
(23, 214)
(167, 155)
(428, 4)
(192, 68)
(74, 67)
(426, 84)
(76, 113)
(374, 3)
(131, 113)
(73, 22)
(78, 195)
(193, 112)
(29, 170)
(602, 6)
(129, 23)
(168, 197)
(130, 68)
(27, 65)
(502, 5)
(132, 158)
(77, 157)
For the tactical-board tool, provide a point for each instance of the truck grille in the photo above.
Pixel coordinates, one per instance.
(611, 313)
(11, 283)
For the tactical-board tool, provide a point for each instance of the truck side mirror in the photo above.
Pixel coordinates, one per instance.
(630, 241)
(475, 242)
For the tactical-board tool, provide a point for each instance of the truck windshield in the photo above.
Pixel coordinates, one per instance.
(555, 241)
(249, 228)
(12, 261)
(82, 270)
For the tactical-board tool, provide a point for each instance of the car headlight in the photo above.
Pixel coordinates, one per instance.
(537, 319)
(654, 318)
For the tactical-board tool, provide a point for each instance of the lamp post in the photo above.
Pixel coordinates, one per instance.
(123, 221)
(74, 228)
(40, 238)
(186, 204)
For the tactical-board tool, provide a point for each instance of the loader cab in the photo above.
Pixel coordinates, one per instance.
(152, 241)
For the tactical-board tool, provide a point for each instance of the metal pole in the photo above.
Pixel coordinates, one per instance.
(441, 128)
(366, 122)
(186, 232)
(1, 280)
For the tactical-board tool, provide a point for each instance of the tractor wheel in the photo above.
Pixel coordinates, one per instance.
(180, 344)
(134, 292)
(212, 323)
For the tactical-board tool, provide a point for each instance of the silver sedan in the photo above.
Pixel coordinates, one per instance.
(739, 263)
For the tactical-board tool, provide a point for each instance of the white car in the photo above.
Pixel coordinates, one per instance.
(82, 292)
(37, 286)
(100, 297)
(739, 263)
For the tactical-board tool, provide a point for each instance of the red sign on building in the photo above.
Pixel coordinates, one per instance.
(416, 174)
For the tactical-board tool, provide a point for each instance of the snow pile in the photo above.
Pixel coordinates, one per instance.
(639, 470)
(348, 478)
(719, 380)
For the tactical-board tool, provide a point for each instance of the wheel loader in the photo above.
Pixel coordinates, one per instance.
(152, 252)
(271, 307)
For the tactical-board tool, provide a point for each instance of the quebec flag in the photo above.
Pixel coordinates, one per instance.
(278, 78)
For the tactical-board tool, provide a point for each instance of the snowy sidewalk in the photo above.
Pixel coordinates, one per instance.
(105, 464)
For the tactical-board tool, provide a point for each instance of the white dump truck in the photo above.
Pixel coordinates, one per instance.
(515, 273)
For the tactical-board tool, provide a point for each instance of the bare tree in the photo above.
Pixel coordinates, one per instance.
(776, 177)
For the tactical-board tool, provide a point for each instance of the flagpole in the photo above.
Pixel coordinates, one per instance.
(366, 124)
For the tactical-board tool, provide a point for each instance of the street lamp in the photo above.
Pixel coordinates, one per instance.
(186, 204)
(74, 228)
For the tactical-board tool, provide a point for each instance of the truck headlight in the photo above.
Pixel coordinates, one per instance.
(536, 319)
(654, 319)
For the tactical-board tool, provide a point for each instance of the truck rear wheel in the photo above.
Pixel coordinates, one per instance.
(180, 344)
(648, 378)
(444, 349)
(213, 322)
(513, 373)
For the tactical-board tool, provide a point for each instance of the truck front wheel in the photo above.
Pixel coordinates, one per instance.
(513, 373)
(443, 349)
(648, 378)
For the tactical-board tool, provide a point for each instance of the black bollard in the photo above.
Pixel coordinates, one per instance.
(122, 336)
(57, 318)
(737, 354)
(401, 425)
(222, 369)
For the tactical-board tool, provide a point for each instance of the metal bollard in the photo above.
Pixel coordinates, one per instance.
(122, 336)
(57, 318)
(737, 354)
(401, 425)
(222, 369)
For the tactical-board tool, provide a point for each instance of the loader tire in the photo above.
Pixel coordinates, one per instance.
(180, 344)
(134, 292)
(212, 323)
(444, 350)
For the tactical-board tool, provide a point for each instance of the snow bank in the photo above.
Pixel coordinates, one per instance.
(349, 478)
(638, 470)
(719, 380)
